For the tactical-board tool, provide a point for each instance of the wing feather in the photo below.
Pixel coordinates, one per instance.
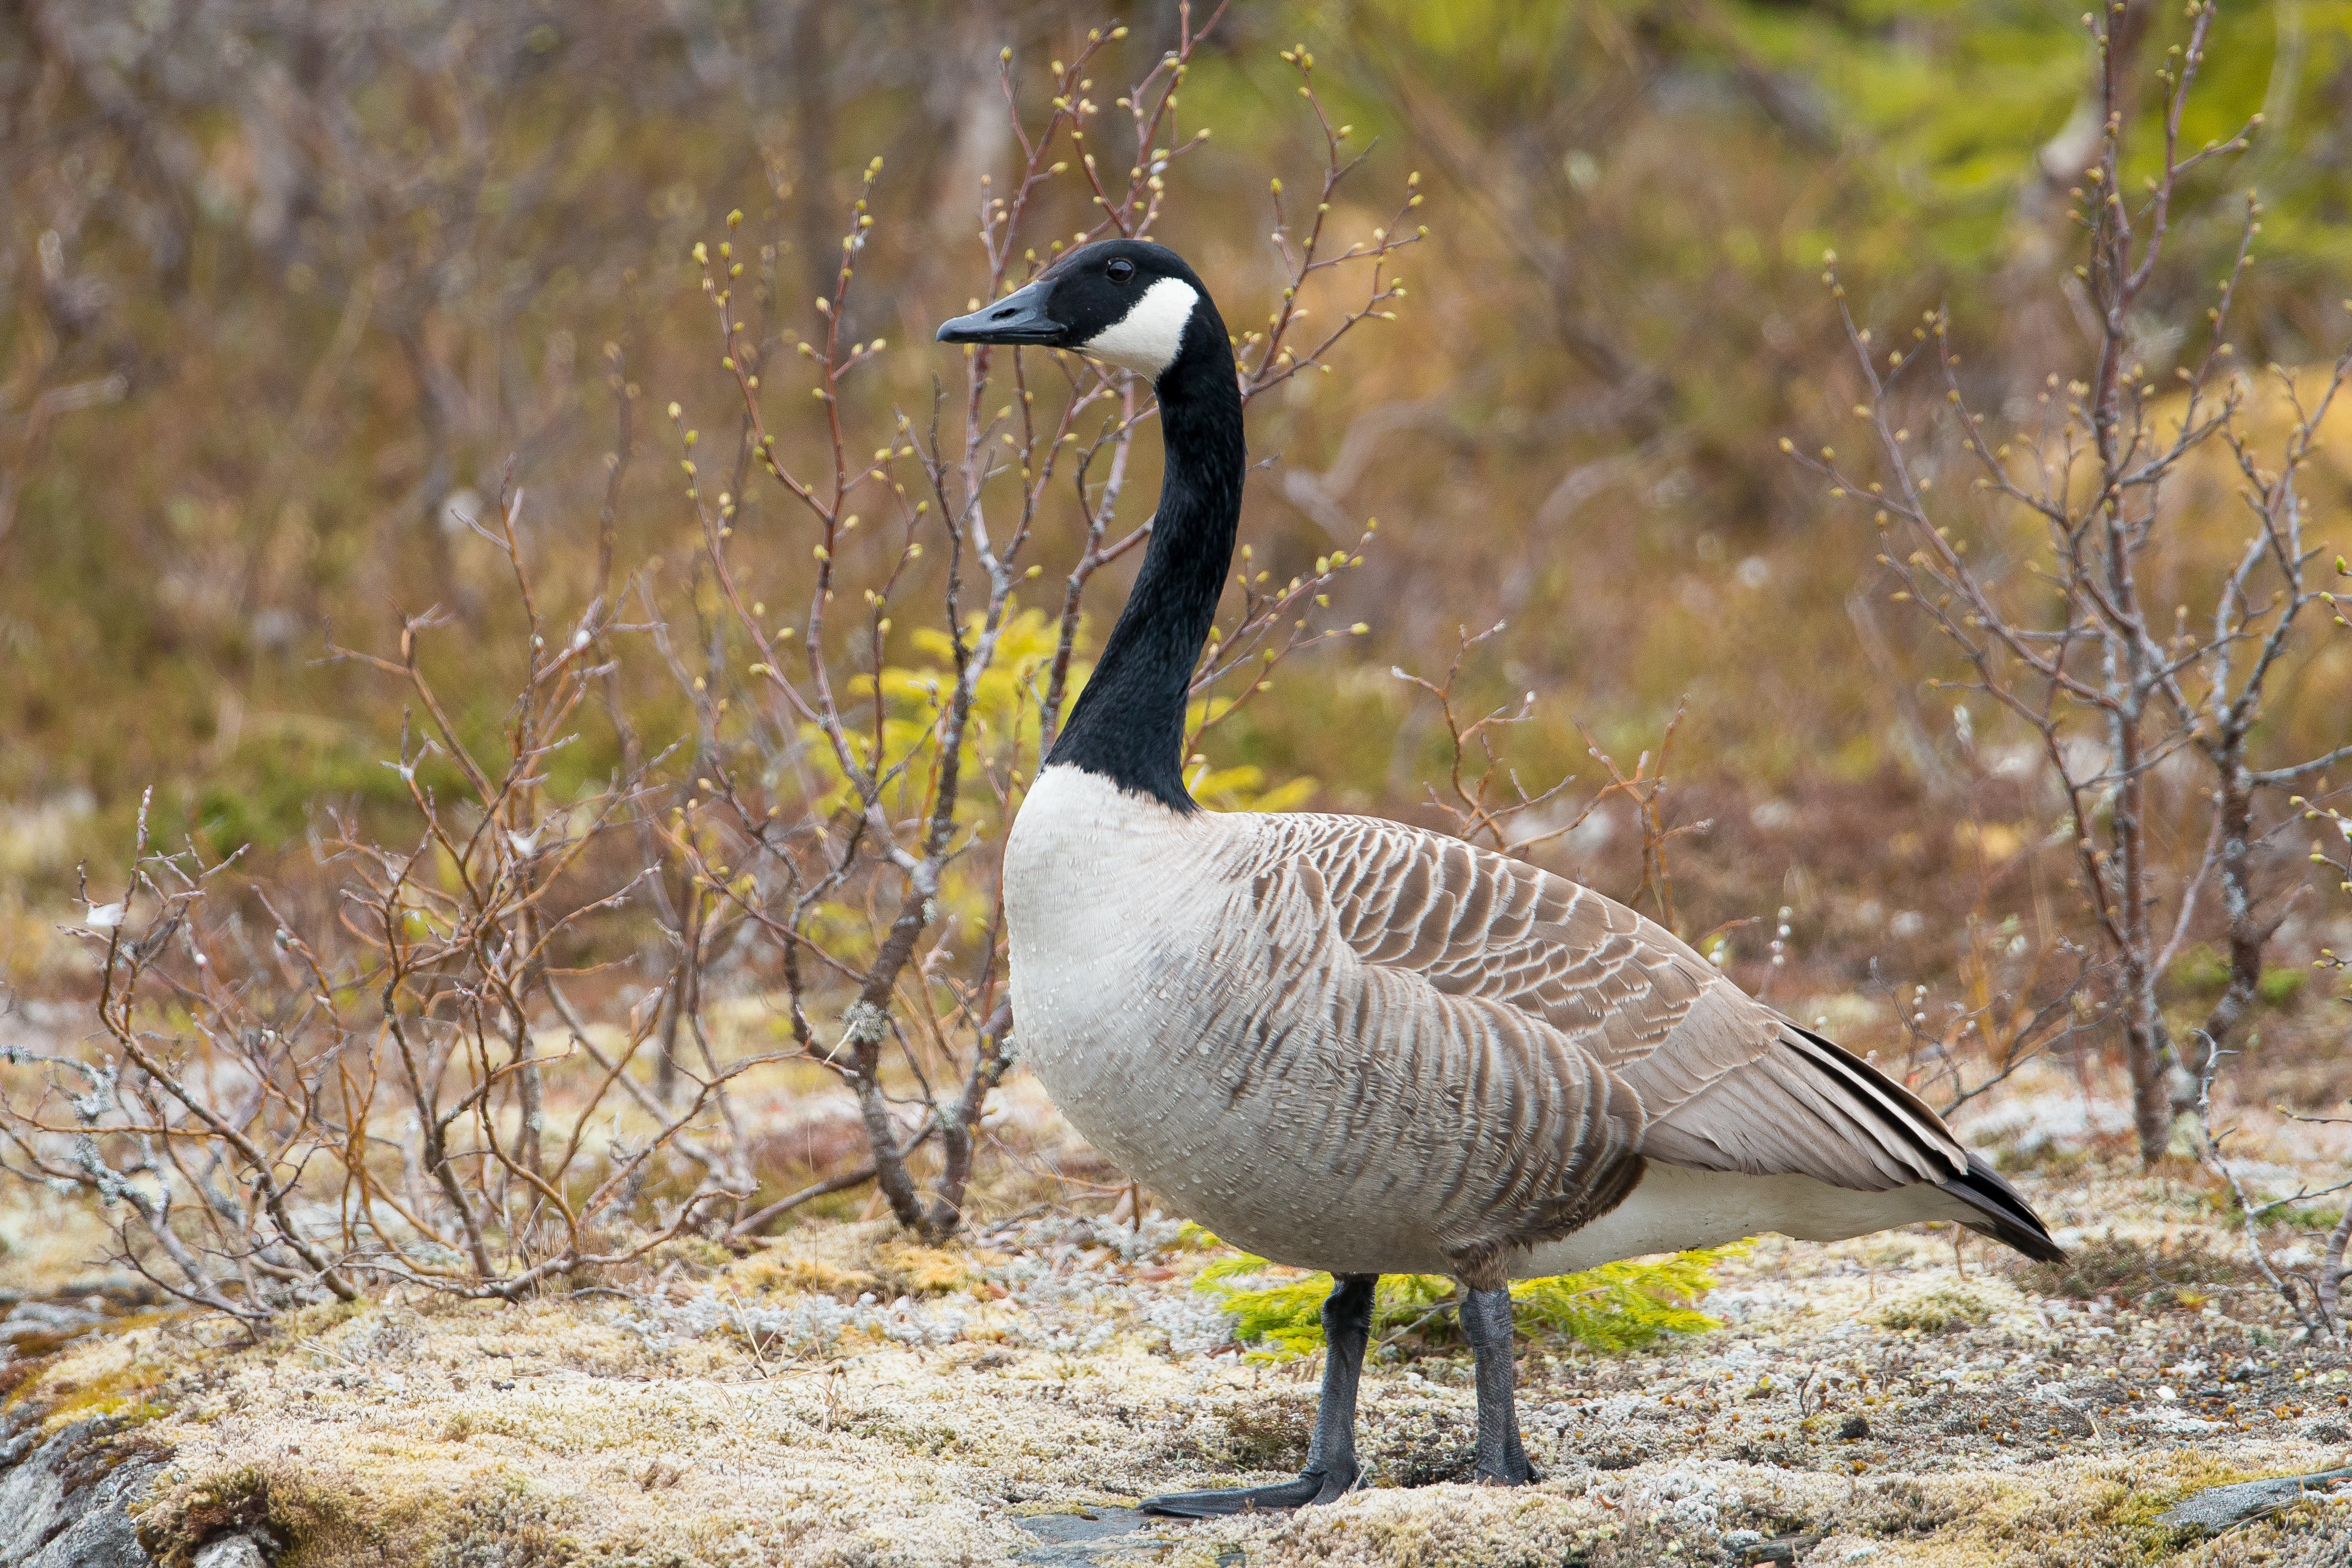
(1709, 1077)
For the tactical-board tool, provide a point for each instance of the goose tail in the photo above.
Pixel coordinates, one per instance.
(2003, 1214)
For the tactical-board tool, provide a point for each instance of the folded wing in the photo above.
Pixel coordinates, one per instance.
(1723, 1081)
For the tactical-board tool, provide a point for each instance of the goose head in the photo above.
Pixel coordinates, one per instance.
(1127, 302)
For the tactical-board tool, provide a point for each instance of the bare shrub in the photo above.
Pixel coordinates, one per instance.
(859, 762)
(281, 1109)
(1484, 799)
(283, 1104)
(2052, 592)
(2311, 1290)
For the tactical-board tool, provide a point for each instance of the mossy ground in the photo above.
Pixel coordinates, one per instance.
(774, 1408)
(840, 1395)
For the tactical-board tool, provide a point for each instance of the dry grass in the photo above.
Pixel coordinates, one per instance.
(780, 1407)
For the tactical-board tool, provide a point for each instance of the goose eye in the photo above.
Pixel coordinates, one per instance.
(1120, 270)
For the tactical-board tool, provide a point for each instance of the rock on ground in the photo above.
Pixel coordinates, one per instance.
(66, 1503)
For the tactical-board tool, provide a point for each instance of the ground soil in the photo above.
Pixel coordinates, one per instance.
(839, 1396)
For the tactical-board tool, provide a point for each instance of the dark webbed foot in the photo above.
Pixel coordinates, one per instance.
(1311, 1486)
(1331, 1469)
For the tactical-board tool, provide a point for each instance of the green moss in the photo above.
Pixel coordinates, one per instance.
(123, 1410)
(63, 1390)
(2277, 987)
(245, 1498)
(904, 1267)
(1625, 1306)
(2201, 972)
(2132, 1511)
(319, 1519)
(1615, 1308)
(2204, 973)
(1937, 1311)
(308, 1322)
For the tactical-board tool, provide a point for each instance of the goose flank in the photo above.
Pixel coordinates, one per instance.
(1354, 1045)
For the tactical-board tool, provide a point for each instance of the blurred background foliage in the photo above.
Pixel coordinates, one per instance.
(288, 285)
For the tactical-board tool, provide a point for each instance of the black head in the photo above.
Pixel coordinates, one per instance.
(1127, 303)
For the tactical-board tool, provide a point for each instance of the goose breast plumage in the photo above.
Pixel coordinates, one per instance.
(1353, 1045)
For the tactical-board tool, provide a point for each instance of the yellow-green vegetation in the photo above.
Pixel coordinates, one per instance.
(113, 1380)
(1615, 1308)
(1003, 736)
(904, 1267)
(781, 1272)
(2203, 972)
(1005, 720)
(1937, 1312)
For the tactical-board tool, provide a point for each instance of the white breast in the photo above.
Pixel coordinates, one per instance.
(1141, 1001)
(1115, 905)
(1103, 899)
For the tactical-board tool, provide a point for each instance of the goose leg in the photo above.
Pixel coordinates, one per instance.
(1486, 1324)
(1331, 1471)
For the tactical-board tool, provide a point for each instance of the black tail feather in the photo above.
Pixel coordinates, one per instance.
(2007, 1218)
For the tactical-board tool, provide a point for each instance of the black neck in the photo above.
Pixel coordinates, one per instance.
(1128, 724)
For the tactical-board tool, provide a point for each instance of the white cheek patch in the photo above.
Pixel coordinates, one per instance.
(1148, 338)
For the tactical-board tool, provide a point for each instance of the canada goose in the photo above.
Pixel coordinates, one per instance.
(1353, 1045)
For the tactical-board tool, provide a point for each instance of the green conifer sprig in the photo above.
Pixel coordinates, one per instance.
(1615, 1308)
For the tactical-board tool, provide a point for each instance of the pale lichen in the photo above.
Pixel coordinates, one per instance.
(805, 1405)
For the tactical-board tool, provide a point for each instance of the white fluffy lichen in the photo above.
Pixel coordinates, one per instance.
(803, 1325)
